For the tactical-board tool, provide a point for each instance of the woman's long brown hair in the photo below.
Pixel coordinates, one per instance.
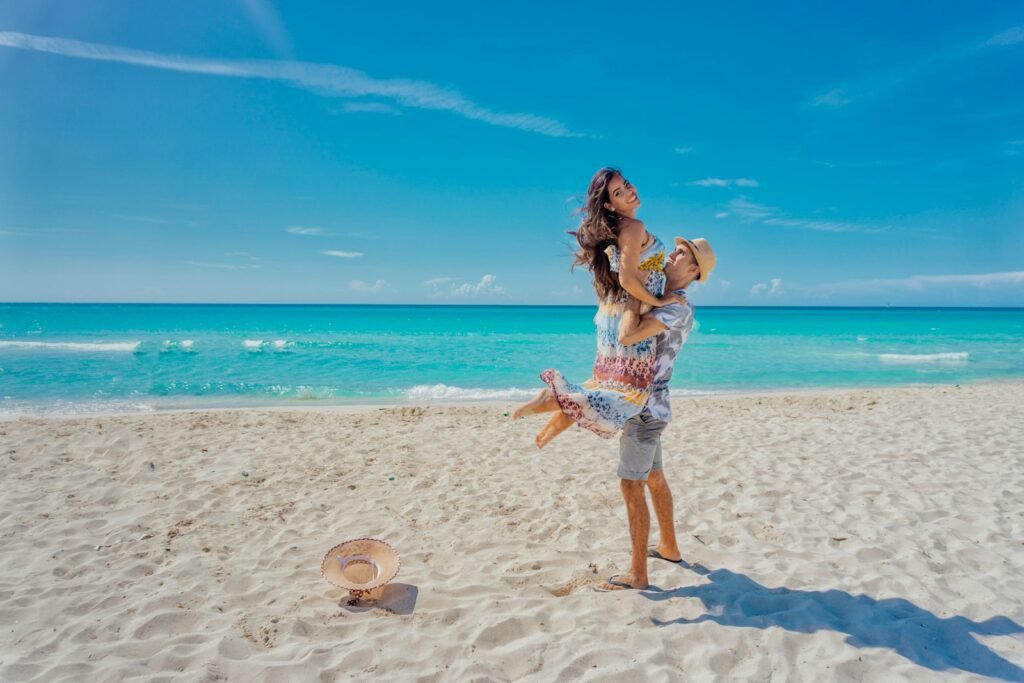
(598, 230)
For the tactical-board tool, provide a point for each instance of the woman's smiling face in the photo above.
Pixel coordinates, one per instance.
(622, 196)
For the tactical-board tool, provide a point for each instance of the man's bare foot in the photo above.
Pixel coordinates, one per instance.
(534, 405)
(621, 582)
(558, 423)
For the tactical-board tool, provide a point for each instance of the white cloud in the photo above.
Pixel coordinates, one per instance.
(342, 254)
(1012, 37)
(485, 286)
(890, 79)
(300, 230)
(267, 20)
(821, 226)
(726, 182)
(369, 108)
(722, 214)
(362, 286)
(834, 98)
(446, 286)
(772, 288)
(322, 79)
(921, 283)
(1017, 142)
(683, 150)
(749, 211)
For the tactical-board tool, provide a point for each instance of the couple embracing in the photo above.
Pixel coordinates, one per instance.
(643, 320)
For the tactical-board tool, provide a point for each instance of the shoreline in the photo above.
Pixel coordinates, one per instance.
(326, 406)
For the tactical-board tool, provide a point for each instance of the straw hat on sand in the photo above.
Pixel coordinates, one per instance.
(363, 566)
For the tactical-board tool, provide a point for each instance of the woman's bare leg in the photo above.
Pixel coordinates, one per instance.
(558, 423)
(544, 402)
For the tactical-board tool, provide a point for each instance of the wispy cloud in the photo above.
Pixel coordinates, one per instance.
(342, 254)
(820, 226)
(323, 79)
(751, 212)
(301, 230)
(363, 286)
(772, 288)
(886, 80)
(726, 182)
(268, 22)
(1012, 37)
(438, 281)
(369, 108)
(922, 283)
(833, 98)
(683, 150)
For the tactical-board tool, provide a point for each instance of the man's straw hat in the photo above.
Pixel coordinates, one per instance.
(362, 566)
(702, 253)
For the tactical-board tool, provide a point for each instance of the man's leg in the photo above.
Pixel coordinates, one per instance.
(661, 498)
(637, 453)
(639, 531)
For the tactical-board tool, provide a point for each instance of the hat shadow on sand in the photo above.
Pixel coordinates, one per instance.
(396, 598)
(934, 642)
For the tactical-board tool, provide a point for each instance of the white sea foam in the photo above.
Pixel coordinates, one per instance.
(71, 346)
(682, 393)
(913, 358)
(438, 392)
(444, 392)
(11, 409)
(282, 344)
(183, 345)
(862, 339)
(254, 344)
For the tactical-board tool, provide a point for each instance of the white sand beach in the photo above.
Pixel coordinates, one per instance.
(873, 535)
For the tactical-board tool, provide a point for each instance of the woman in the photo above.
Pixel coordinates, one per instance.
(625, 260)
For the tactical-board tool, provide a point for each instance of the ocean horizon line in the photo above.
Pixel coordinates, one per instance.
(492, 305)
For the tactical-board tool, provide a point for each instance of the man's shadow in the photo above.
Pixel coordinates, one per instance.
(937, 643)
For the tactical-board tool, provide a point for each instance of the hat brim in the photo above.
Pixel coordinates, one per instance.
(380, 553)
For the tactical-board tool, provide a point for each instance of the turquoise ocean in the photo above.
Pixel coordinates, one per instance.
(86, 358)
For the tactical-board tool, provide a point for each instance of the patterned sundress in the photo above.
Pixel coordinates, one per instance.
(621, 383)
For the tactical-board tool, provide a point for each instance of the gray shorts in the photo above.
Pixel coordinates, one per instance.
(640, 446)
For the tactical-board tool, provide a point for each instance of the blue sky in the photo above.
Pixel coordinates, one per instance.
(251, 151)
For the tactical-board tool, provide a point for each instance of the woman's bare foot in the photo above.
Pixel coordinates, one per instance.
(558, 423)
(543, 402)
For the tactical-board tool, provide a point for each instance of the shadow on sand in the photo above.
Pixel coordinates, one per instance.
(733, 599)
(397, 598)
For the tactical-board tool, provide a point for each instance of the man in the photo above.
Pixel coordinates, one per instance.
(640, 444)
